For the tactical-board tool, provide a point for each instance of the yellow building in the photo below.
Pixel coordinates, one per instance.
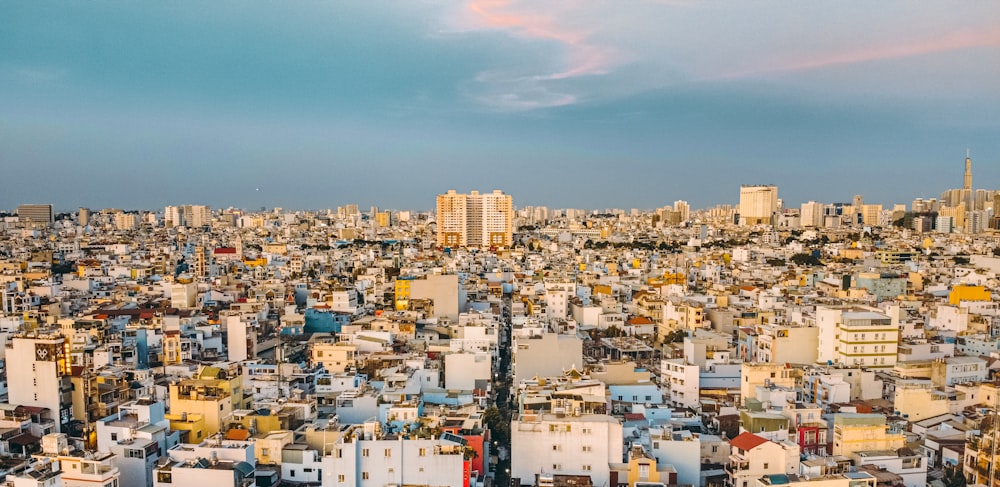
(268, 446)
(968, 293)
(642, 469)
(402, 293)
(214, 395)
(474, 219)
(919, 400)
(191, 424)
(861, 432)
(334, 357)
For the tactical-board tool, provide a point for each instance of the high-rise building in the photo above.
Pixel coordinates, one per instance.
(36, 213)
(474, 219)
(197, 216)
(871, 214)
(684, 209)
(811, 214)
(758, 204)
(967, 193)
(83, 217)
(38, 375)
(173, 216)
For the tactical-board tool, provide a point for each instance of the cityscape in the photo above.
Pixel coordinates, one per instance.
(499, 243)
(483, 343)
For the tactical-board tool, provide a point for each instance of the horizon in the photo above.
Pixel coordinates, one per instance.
(565, 105)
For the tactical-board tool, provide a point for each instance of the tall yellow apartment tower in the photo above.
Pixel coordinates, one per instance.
(474, 219)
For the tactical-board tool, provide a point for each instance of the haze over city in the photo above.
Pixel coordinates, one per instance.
(592, 105)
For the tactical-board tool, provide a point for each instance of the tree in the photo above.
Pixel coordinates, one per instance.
(675, 336)
(806, 259)
(499, 429)
(953, 476)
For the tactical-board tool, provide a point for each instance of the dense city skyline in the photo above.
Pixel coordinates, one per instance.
(315, 105)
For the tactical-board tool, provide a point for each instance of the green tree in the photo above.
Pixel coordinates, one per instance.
(953, 476)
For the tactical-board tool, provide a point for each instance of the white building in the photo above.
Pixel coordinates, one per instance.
(38, 375)
(680, 382)
(562, 444)
(856, 336)
(361, 459)
(547, 355)
(463, 370)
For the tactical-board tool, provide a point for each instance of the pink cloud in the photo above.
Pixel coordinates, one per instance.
(582, 57)
(951, 42)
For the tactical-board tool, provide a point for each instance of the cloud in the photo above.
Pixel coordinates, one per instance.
(530, 87)
(949, 42)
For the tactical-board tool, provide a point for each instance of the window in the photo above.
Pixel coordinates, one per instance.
(388, 452)
(556, 448)
(364, 452)
(340, 453)
(765, 465)
(364, 475)
(134, 453)
(556, 466)
(423, 452)
(291, 473)
(586, 468)
(588, 448)
(114, 436)
(340, 478)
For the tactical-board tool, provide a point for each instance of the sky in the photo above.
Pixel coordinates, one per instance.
(311, 104)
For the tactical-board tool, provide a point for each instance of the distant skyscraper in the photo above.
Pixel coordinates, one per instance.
(811, 214)
(173, 216)
(967, 192)
(684, 209)
(474, 219)
(758, 204)
(36, 213)
(83, 217)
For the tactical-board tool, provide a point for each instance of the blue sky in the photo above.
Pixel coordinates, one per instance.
(595, 104)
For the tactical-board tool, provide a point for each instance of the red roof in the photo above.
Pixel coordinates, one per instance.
(225, 250)
(238, 434)
(747, 441)
(634, 417)
(640, 320)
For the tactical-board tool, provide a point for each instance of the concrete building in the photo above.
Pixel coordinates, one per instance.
(38, 375)
(561, 444)
(855, 432)
(546, 355)
(468, 371)
(753, 457)
(758, 204)
(363, 458)
(41, 214)
(474, 219)
(856, 336)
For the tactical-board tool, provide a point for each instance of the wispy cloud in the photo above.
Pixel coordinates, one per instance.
(951, 42)
(530, 87)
